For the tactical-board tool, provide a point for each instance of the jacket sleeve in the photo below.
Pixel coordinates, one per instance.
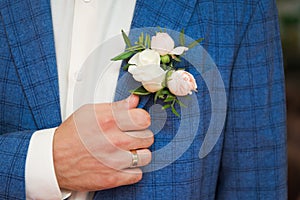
(13, 151)
(253, 162)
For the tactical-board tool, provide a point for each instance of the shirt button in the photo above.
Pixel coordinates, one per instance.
(87, 1)
(78, 76)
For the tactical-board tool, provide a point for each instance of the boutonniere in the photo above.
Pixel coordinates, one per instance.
(152, 62)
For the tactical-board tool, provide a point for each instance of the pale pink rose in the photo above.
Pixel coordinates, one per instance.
(145, 68)
(164, 44)
(181, 83)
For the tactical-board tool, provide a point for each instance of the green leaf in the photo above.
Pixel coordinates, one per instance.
(182, 38)
(147, 41)
(141, 39)
(164, 66)
(169, 74)
(123, 56)
(166, 106)
(125, 67)
(160, 94)
(166, 92)
(135, 48)
(140, 91)
(126, 39)
(174, 111)
(157, 94)
(193, 44)
(169, 99)
(180, 103)
(160, 29)
(176, 58)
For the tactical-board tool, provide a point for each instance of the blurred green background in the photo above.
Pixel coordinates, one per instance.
(289, 14)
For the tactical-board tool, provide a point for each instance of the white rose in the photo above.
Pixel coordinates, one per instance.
(181, 83)
(145, 68)
(164, 44)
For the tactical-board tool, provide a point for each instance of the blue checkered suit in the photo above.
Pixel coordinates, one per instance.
(242, 37)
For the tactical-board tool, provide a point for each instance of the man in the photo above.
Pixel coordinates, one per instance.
(248, 160)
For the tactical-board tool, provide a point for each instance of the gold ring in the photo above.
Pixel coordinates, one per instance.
(135, 158)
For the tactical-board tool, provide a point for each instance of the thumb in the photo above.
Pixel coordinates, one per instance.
(130, 102)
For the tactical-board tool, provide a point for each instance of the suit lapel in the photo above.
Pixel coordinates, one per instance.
(30, 35)
(173, 15)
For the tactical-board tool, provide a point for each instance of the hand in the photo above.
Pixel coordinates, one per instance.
(91, 149)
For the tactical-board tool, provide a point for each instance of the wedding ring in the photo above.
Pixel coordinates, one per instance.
(135, 158)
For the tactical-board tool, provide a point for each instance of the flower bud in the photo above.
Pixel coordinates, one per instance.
(165, 59)
(181, 83)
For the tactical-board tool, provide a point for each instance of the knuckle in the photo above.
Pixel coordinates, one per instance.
(121, 142)
(106, 123)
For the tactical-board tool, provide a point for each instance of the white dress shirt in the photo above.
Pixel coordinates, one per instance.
(87, 36)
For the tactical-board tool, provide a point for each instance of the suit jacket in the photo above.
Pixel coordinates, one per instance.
(249, 159)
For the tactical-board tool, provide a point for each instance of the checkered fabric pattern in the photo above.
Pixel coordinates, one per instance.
(29, 95)
(242, 37)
